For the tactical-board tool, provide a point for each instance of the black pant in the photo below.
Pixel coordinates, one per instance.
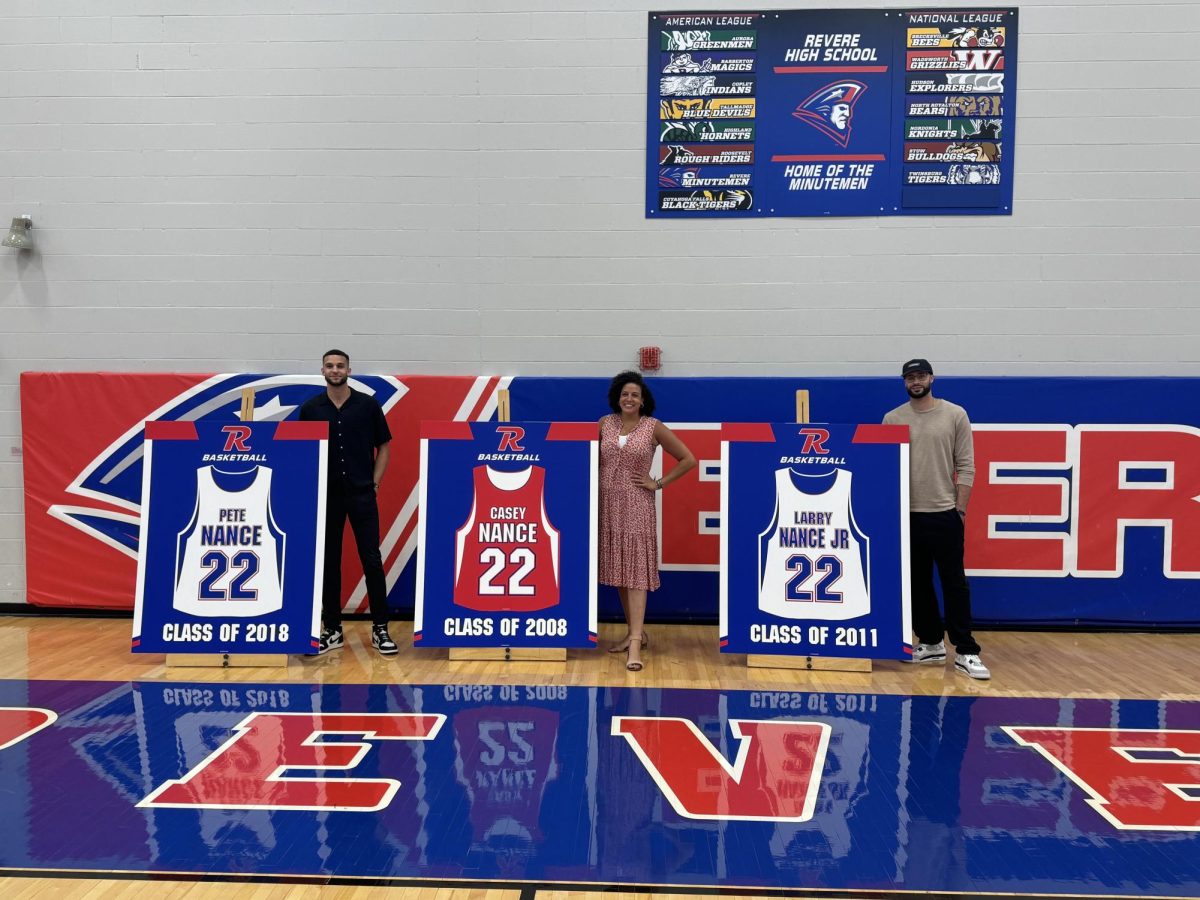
(359, 505)
(938, 538)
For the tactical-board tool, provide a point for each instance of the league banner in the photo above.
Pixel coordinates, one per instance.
(814, 541)
(232, 552)
(852, 112)
(507, 535)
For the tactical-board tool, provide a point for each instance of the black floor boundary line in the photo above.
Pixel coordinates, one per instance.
(528, 889)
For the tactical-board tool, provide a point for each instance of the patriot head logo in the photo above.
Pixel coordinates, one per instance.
(114, 476)
(830, 109)
(676, 177)
(95, 489)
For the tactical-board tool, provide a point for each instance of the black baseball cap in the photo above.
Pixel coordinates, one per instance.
(916, 365)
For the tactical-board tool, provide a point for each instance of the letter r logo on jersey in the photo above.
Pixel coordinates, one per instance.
(814, 440)
(510, 438)
(236, 437)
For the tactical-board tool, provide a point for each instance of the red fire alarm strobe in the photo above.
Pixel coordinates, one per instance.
(649, 359)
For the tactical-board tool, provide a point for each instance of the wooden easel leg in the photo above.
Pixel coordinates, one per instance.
(226, 660)
(508, 654)
(808, 663)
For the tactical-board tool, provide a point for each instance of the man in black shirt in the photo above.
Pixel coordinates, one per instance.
(358, 457)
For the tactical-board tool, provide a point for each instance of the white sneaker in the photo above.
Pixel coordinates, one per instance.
(930, 653)
(970, 664)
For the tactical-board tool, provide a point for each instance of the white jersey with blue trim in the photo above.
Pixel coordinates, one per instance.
(229, 558)
(813, 561)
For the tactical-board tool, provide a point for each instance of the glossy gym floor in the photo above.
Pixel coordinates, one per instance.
(1075, 771)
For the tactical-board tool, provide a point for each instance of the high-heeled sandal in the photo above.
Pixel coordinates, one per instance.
(624, 645)
(636, 665)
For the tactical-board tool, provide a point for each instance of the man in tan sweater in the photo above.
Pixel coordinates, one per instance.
(942, 470)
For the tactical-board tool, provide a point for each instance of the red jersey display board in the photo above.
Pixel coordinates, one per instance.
(507, 535)
(814, 540)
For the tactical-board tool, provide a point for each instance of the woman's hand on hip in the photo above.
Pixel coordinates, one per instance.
(644, 481)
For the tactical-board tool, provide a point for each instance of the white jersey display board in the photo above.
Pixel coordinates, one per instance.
(814, 540)
(232, 546)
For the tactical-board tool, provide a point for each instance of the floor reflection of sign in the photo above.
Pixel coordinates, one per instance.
(542, 783)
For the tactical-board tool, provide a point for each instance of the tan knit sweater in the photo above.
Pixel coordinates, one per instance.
(940, 450)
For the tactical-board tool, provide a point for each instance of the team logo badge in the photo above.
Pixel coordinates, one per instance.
(814, 440)
(510, 438)
(674, 130)
(683, 62)
(236, 437)
(705, 201)
(695, 177)
(974, 173)
(973, 36)
(687, 85)
(703, 155)
(966, 151)
(830, 110)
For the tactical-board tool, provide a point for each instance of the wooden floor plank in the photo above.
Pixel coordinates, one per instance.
(1133, 666)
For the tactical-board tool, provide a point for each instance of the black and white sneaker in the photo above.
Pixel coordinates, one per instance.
(929, 653)
(971, 664)
(331, 639)
(382, 641)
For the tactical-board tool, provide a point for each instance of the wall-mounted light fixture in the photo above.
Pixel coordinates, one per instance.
(19, 237)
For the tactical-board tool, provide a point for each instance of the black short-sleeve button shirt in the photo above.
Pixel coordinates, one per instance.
(355, 431)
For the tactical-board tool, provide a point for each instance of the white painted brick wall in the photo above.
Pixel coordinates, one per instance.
(458, 187)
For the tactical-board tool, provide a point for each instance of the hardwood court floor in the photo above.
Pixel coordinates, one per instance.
(1131, 666)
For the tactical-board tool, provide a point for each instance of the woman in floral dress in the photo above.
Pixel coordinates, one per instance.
(628, 533)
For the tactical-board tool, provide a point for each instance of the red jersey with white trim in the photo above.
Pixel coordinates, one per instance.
(506, 553)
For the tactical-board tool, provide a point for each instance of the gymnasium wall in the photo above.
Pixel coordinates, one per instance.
(456, 188)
